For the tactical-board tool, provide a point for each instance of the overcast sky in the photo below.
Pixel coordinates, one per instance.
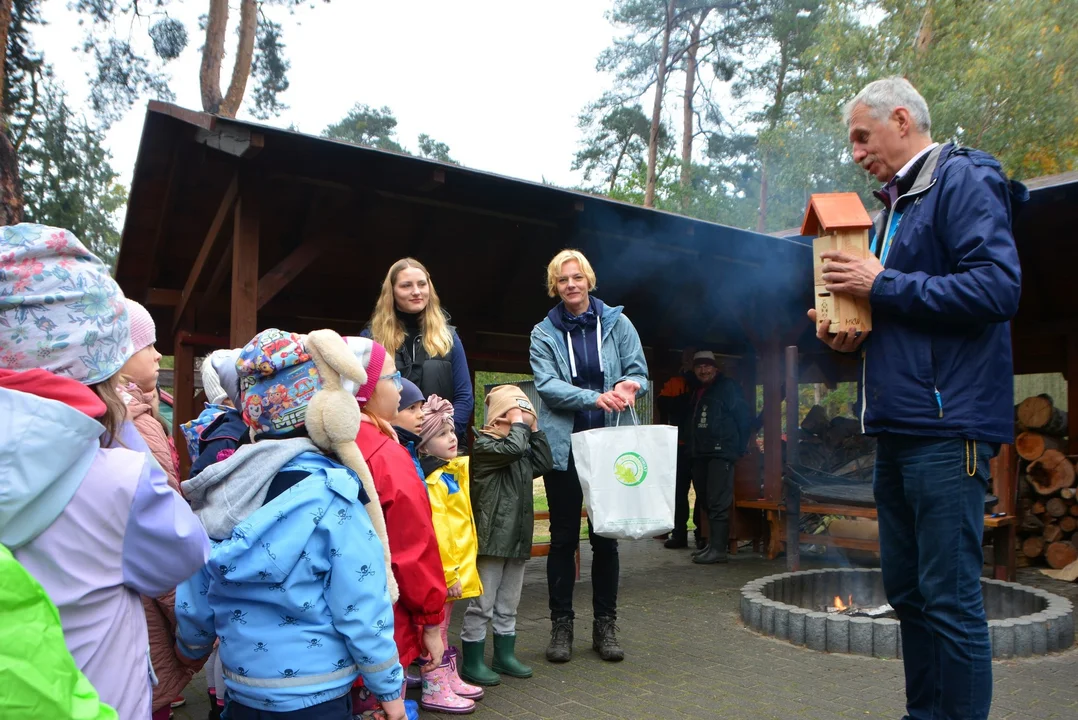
(500, 81)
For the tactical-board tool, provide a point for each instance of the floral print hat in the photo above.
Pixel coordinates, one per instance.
(60, 310)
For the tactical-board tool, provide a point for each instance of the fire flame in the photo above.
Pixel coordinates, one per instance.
(839, 605)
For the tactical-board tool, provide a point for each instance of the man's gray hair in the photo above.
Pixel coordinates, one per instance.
(882, 97)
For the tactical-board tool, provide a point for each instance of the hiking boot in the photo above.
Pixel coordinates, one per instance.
(699, 539)
(505, 657)
(604, 640)
(561, 641)
(677, 540)
(474, 668)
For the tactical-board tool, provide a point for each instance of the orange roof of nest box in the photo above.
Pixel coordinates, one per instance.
(827, 212)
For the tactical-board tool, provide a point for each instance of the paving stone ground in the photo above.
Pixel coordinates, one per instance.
(688, 656)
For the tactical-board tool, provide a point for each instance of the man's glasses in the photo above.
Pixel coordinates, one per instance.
(396, 378)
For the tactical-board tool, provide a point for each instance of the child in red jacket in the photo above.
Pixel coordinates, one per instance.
(417, 564)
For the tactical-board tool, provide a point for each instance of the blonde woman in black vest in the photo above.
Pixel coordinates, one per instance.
(409, 322)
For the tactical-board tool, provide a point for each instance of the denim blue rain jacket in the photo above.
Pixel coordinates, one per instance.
(938, 360)
(623, 359)
(298, 598)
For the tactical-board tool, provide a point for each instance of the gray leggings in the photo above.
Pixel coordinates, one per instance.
(502, 580)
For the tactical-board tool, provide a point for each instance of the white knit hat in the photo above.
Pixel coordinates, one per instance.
(219, 378)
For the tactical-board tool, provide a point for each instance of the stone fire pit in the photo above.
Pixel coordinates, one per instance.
(1022, 621)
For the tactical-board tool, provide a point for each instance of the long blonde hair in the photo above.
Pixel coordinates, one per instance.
(115, 408)
(386, 327)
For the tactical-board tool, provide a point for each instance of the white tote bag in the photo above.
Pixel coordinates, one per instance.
(628, 474)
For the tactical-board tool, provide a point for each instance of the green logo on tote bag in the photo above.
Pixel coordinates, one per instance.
(630, 469)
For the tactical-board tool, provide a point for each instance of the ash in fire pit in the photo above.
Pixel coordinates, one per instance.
(845, 610)
(852, 609)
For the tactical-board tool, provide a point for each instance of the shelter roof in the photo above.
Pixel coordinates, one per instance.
(332, 217)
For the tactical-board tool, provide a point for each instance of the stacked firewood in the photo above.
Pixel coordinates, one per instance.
(1048, 506)
(835, 445)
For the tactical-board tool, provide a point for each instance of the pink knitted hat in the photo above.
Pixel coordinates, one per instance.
(143, 331)
(437, 413)
(372, 356)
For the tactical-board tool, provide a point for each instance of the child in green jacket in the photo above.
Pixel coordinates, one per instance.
(510, 452)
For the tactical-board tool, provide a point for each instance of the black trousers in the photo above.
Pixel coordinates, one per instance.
(681, 493)
(566, 499)
(717, 476)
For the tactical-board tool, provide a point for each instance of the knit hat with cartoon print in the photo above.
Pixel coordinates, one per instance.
(60, 310)
(277, 379)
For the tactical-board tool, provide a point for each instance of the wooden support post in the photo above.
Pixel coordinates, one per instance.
(793, 416)
(1072, 392)
(244, 315)
(183, 397)
(772, 358)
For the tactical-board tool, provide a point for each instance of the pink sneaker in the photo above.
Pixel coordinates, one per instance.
(438, 696)
(461, 688)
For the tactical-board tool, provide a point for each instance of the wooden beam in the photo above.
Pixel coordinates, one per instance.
(1072, 392)
(184, 397)
(245, 237)
(163, 297)
(217, 280)
(793, 401)
(289, 269)
(208, 245)
(772, 357)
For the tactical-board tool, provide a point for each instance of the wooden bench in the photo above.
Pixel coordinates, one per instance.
(1001, 530)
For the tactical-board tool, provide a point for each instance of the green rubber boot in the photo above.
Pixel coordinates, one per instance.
(505, 658)
(474, 669)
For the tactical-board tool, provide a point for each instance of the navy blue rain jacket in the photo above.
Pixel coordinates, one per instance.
(938, 361)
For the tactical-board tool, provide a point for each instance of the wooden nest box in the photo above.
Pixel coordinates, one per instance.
(840, 222)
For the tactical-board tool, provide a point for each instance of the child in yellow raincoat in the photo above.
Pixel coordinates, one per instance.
(451, 509)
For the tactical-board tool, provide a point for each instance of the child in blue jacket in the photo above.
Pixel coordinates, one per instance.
(296, 588)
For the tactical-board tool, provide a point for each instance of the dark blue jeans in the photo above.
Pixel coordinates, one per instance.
(930, 498)
(338, 709)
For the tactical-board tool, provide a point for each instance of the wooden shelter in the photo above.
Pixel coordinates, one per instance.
(233, 227)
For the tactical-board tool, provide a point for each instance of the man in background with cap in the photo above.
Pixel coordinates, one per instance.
(718, 437)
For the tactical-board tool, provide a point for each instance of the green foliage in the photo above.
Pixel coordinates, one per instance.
(377, 128)
(431, 148)
(67, 179)
(998, 75)
(616, 143)
(123, 72)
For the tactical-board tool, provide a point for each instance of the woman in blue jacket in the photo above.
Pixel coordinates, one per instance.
(588, 362)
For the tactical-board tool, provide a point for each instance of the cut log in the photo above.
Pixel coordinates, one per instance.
(1051, 473)
(1040, 413)
(1031, 525)
(1031, 445)
(1060, 554)
(1068, 524)
(1056, 507)
(1033, 547)
(1074, 541)
(1068, 493)
(816, 422)
(1052, 533)
(1074, 510)
(1038, 508)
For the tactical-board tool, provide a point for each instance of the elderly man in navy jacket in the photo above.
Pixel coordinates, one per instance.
(943, 282)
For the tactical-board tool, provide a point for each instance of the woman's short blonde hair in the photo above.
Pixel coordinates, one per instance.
(553, 270)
